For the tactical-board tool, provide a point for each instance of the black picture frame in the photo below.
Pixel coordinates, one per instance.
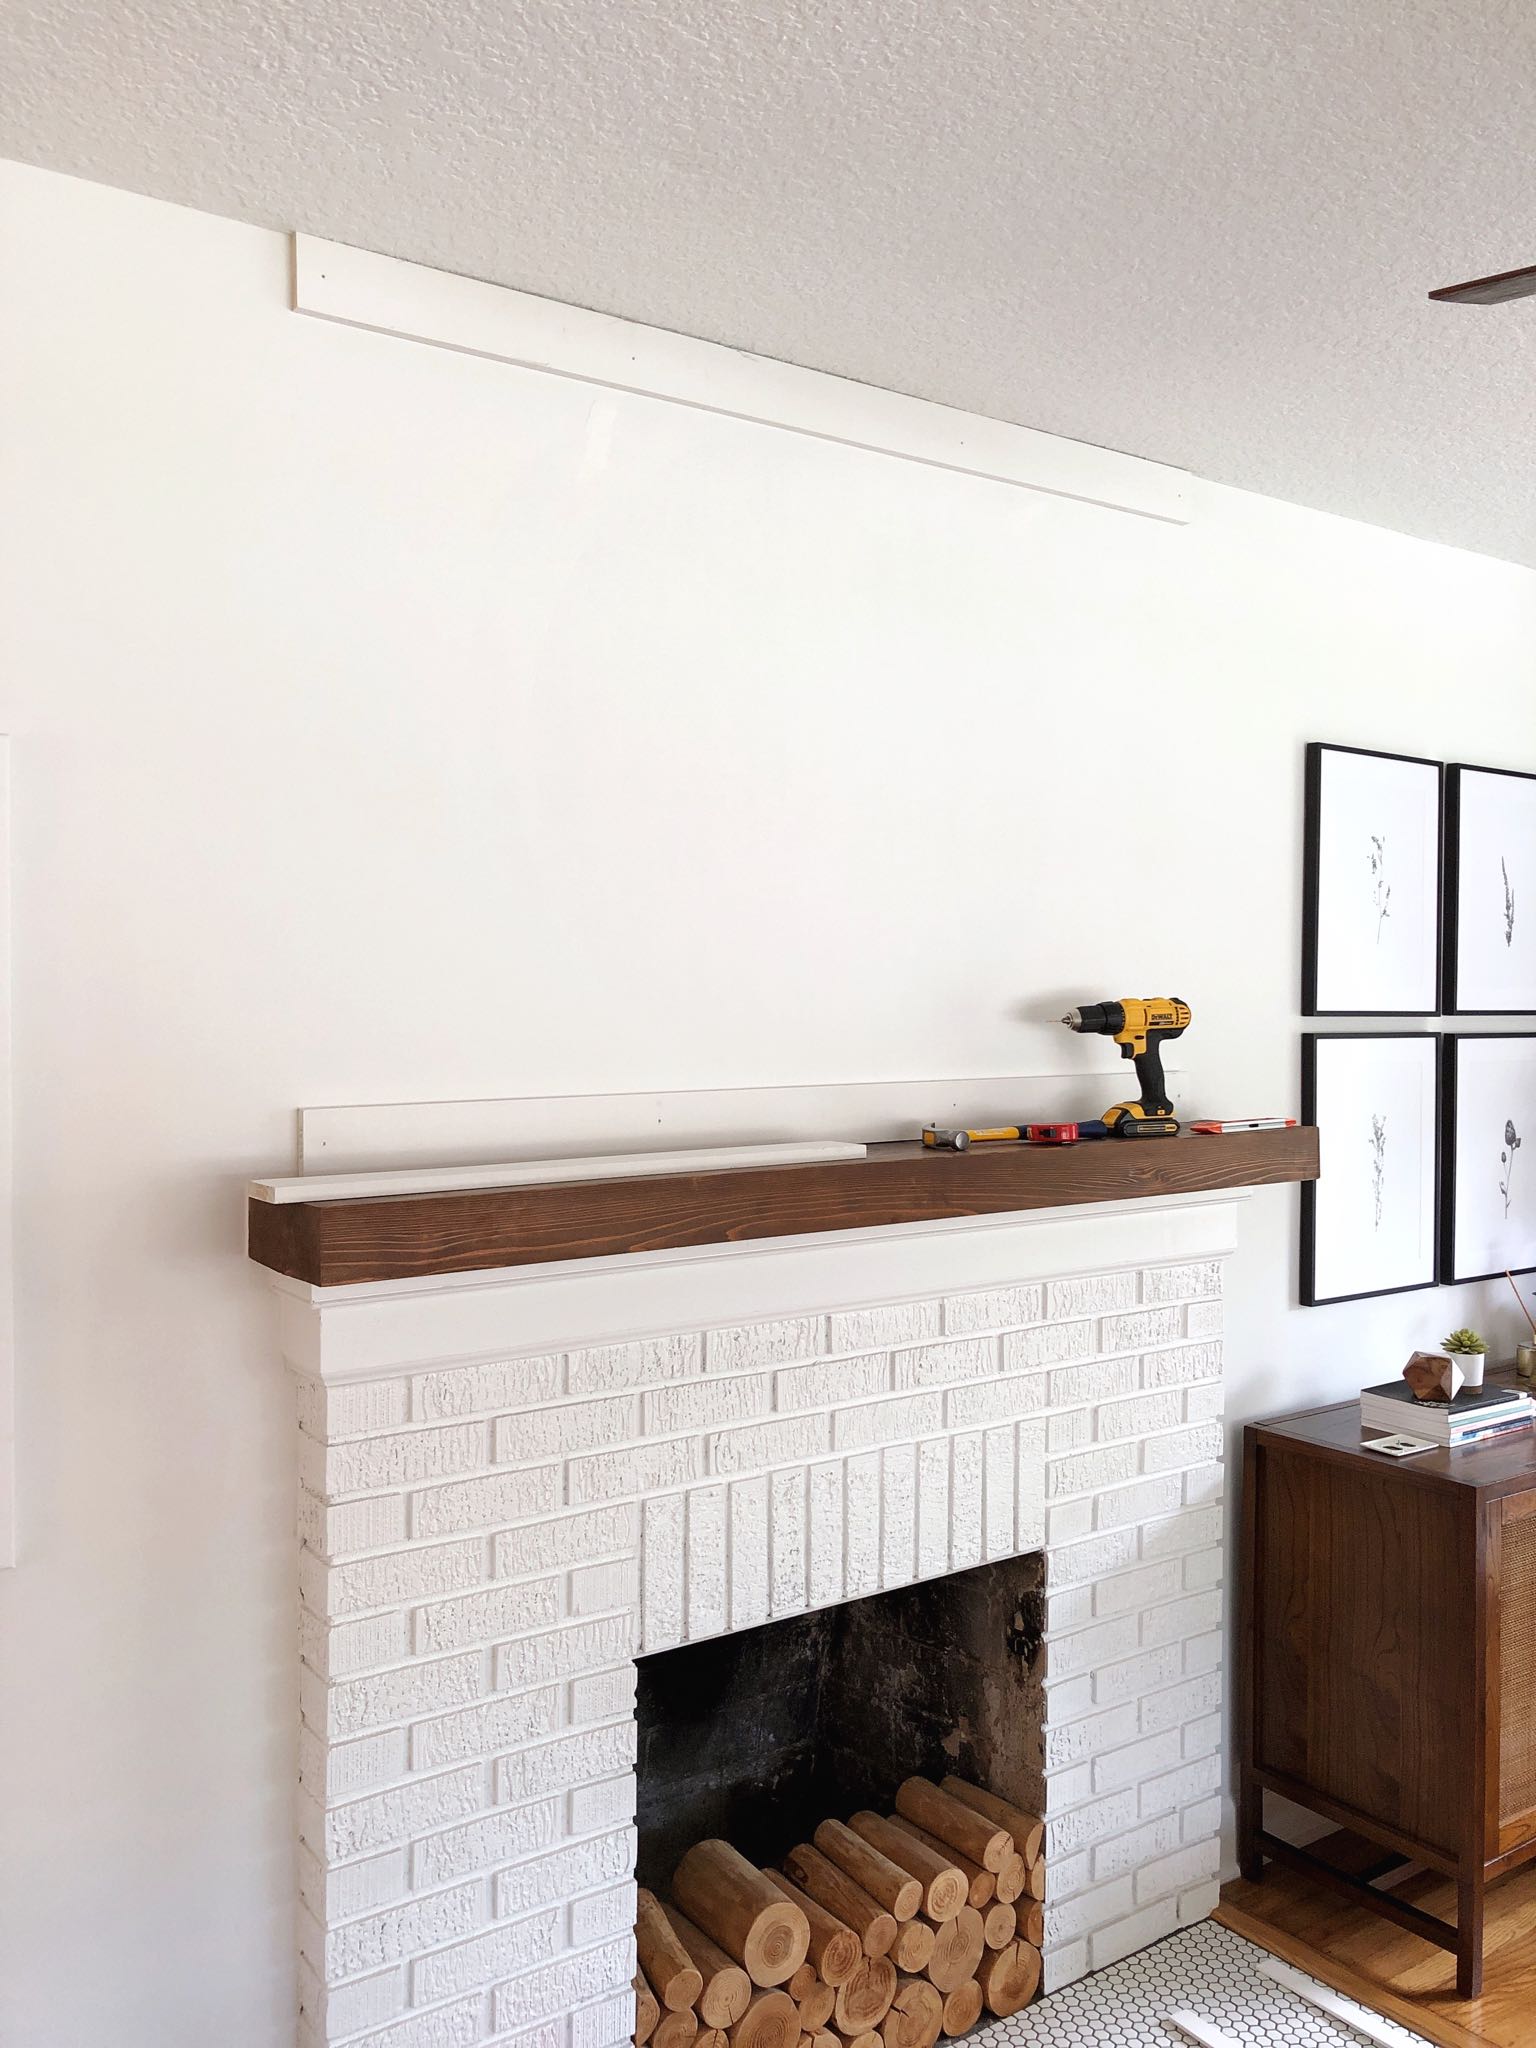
(1313, 882)
(1311, 1043)
(1450, 1092)
(1450, 893)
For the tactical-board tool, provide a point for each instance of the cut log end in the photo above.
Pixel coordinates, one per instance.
(815, 2006)
(945, 1889)
(886, 1882)
(676, 2030)
(957, 1950)
(835, 1949)
(1027, 1829)
(913, 1947)
(834, 1891)
(770, 2021)
(668, 1968)
(1010, 1879)
(750, 1918)
(727, 1988)
(983, 1840)
(916, 2016)
(865, 1999)
(999, 1926)
(962, 2009)
(983, 1884)
(1010, 1978)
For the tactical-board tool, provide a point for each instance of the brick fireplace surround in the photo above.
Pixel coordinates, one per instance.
(512, 1483)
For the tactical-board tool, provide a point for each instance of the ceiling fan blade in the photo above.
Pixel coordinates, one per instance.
(1489, 291)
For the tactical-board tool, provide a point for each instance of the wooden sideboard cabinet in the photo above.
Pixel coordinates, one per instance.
(1387, 1659)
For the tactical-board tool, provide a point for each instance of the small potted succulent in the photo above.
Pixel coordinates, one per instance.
(1469, 1351)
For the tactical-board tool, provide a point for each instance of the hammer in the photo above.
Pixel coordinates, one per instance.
(938, 1139)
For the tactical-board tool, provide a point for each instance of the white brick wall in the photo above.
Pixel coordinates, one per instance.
(486, 1547)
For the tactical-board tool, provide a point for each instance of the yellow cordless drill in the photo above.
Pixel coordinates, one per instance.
(1138, 1025)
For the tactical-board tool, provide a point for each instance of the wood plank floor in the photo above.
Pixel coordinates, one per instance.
(1393, 1972)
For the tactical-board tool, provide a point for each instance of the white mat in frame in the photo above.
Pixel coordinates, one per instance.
(1370, 884)
(1490, 891)
(1368, 1224)
(1488, 1160)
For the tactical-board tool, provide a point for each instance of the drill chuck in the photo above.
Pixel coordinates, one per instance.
(1107, 1018)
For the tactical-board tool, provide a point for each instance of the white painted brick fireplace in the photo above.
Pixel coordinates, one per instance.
(512, 1483)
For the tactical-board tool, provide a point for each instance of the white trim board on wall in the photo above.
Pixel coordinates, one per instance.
(361, 289)
(370, 1137)
(7, 1321)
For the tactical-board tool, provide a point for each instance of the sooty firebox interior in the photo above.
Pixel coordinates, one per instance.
(760, 1735)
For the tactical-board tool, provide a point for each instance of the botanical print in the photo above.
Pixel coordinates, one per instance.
(1373, 886)
(1381, 888)
(1491, 869)
(1368, 1225)
(1378, 1164)
(1512, 1143)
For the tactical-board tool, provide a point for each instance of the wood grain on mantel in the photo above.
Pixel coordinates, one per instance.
(408, 1237)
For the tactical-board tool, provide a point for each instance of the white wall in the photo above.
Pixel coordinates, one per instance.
(391, 724)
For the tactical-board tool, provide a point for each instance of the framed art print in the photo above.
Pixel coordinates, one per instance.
(1488, 1108)
(1368, 1221)
(1370, 884)
(1490, 891)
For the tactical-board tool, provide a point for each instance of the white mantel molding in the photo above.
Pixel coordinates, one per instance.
(398, 1326)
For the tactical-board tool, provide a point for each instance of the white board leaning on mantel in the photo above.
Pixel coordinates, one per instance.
(525, 1173)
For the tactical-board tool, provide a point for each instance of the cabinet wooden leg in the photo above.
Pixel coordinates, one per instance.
(1250, 1818)
(1469, 1938)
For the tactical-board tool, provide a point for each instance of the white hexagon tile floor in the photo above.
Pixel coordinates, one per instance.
(1206, 1970)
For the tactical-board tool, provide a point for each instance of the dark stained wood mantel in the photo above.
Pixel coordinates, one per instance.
(407, 1237)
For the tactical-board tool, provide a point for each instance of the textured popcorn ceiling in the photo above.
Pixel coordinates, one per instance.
(1200, 230)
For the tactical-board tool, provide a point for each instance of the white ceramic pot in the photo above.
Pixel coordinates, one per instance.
(1471, 1363)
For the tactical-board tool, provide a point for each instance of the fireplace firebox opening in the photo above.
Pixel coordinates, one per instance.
(805, 1736)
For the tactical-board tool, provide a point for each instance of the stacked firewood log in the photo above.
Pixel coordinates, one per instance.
(886, 1931)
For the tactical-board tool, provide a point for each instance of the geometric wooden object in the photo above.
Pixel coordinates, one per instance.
(1433, 1376)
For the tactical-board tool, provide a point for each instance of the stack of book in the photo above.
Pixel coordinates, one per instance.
(1476, 1414)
